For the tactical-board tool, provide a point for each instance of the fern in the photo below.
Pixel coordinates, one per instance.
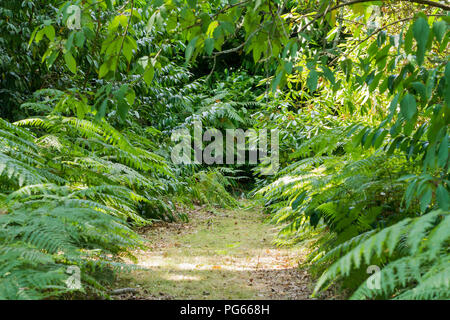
(209, 187)
(346, 202)
(419, 272)
(66, 203)
(37, 246)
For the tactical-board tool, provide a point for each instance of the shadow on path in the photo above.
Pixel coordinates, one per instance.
(222, 255)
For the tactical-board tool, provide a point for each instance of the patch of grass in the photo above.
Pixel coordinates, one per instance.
(222, 255)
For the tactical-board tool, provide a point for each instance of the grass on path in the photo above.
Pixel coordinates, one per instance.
(225, 254)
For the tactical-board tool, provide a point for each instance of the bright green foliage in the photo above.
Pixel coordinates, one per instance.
(20, 66)
(360, 92)
(56, 214)
(370, 161)
(210, 188)
(40, 243)
(417, 251)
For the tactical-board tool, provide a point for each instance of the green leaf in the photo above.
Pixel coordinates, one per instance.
(370, 77)
(442, 197)
(447, 84)
(69, 41)
(209, 46)
(375, 82)
(277, 80)
(70, 62)
(127, 51)
(123, 101)
(379, 138)
(368, 138)
(122, 110)
(312, 80)
(79, 39)
(408, 106)
(359, 8)
(329, 75)
(430, 157)
(381, 38)
(227, 26)
(102, 110)
(347, 66)
(444, 42)
(151, 21)
(288, 66)
(421, 31)
(88, 32)
(298, 201)
(373, 49)
(130, 97)
(149, 74)
(431, 81)
(294, 50)
(443, 152)
(39, 36)
(190, 49)
(109, 4)
(192, 3)
(50, 32)
(171, 22)
(392, 110)
(212, 26)
(409, 194)
(408, 40)
(52, 58)
(419, 87)
(33, 35)
(439, 29)
(104, 69)
(425, 199)
(257, 51)
(257, 4)
(356, 140)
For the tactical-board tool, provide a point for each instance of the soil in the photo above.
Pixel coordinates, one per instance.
(218, 254)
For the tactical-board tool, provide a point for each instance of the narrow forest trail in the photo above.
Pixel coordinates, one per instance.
(225, 254)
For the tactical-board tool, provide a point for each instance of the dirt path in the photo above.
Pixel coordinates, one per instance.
(225, 254)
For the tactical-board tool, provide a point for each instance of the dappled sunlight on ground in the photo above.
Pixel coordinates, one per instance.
(181, 277)
(221, 255)
(266, 259)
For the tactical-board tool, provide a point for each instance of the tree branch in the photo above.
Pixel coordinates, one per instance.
(424, 2)
(219, 12)
(238, 47)
(125, 35)
(379, 30)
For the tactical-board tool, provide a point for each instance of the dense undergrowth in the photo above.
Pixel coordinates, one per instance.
(364, 181)
(360, 95)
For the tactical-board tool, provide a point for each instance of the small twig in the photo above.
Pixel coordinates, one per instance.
(212, 70)
(142, 75)
(379, 30)
(219, 12)
(350, 21)
(424, 2)
(124, 290)
(125, 35)
(238, 47)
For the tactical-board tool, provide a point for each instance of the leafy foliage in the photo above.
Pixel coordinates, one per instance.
(52, 219)
(359, 91)
(417, 251)
(356, 189)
